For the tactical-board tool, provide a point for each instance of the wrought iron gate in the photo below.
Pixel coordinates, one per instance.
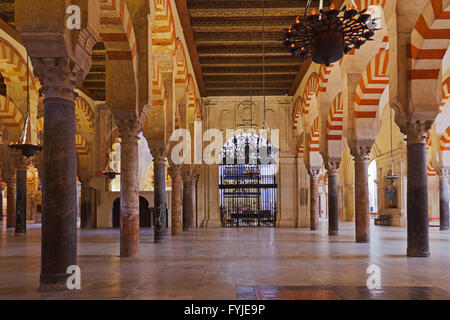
(248, 188)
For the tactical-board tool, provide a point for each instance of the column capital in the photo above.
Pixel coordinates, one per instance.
(186, 172)
(314, 173)
(21, 163)
(332, 166)
(360, 150)
(443, 173)
(159, 151)
(174, 170)
(414, 129)
(129, 128)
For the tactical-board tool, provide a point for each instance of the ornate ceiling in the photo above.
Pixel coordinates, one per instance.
(229, 45)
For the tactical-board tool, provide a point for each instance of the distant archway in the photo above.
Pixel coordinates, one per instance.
(373, 190)
(145, 219)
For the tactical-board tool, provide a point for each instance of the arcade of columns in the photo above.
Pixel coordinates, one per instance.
(338, 113)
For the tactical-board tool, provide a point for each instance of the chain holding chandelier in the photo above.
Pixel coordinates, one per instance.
(326, 35)
(25, 144)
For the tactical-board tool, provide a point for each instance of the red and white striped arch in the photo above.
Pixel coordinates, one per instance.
(163, 28)
(11, 117)
(445, 94)
(81, 145)
(431, 172)
(84, 114)
(324, 76)
(14, 68)
(157, 86)
(314, 136)
(445, 148)
(371, 86)
(430, 39)
(181, 70)
(311, 90)
(335, 124)
(192, 94)
(117, 33)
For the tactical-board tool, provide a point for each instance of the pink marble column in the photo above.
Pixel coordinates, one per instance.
(362, 217)
(333, 210)
(159, 153)
(186, 173)
(314, 199)
(129, 187)
(177, 203)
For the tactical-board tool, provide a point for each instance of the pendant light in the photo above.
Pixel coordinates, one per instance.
(25, 143)
(109, 172)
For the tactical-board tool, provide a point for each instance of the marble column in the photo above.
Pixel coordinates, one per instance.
(314, 199)
(177, 204)
(129, 187)
(159, 152)
(1, 202)
(333, 209)
(443, 199)
(193, 201)
(21, 195)
(362, 217)
(59, 207)
(10, 202)
(85, 210)
(417, 196)
(186, 174)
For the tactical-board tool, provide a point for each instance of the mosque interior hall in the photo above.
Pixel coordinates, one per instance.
(226, 150)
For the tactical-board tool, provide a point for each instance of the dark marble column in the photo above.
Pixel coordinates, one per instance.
(129, 187)
(333, 212)
(59, 207)
(186, 174)
(314, 199)
(21, 195)
(362, 217)
(193, 202)
(85, 212)
(159, 152)
(1, 202)
(443, 199)
(177, 204)
(417, 198)
(10, 202)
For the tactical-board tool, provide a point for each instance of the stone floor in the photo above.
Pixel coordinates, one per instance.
(230, 263)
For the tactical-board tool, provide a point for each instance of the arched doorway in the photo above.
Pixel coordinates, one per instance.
(145, 219)
(247, 182)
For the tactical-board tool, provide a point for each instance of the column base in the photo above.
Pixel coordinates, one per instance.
(444, 228)
(54, 282)
(417, 253)
(333, 232)
(313, 228)
(362, 239)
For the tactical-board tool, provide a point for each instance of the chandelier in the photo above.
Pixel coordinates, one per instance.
(25, 144)
(109, 171)
(326, 35)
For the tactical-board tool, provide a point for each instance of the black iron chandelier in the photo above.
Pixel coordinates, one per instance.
(326, 35)
(25, 144)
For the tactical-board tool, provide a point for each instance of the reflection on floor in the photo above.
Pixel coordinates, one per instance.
(228, 263)
(339, 293)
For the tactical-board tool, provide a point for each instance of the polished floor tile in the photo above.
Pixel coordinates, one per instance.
(231, 263)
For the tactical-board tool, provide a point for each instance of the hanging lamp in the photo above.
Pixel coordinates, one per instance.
(326, 35)
(25, 143)
(109, 172)
(391, 174)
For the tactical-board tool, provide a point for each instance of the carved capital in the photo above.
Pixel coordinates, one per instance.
(314, 173)
(332, 166)
(443, 173)
(158, 150)
(129, 128)
(360, 150)
(186, 172)
(174, 170)
(414, 129)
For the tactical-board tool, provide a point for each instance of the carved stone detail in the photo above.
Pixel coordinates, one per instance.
(415, 130)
